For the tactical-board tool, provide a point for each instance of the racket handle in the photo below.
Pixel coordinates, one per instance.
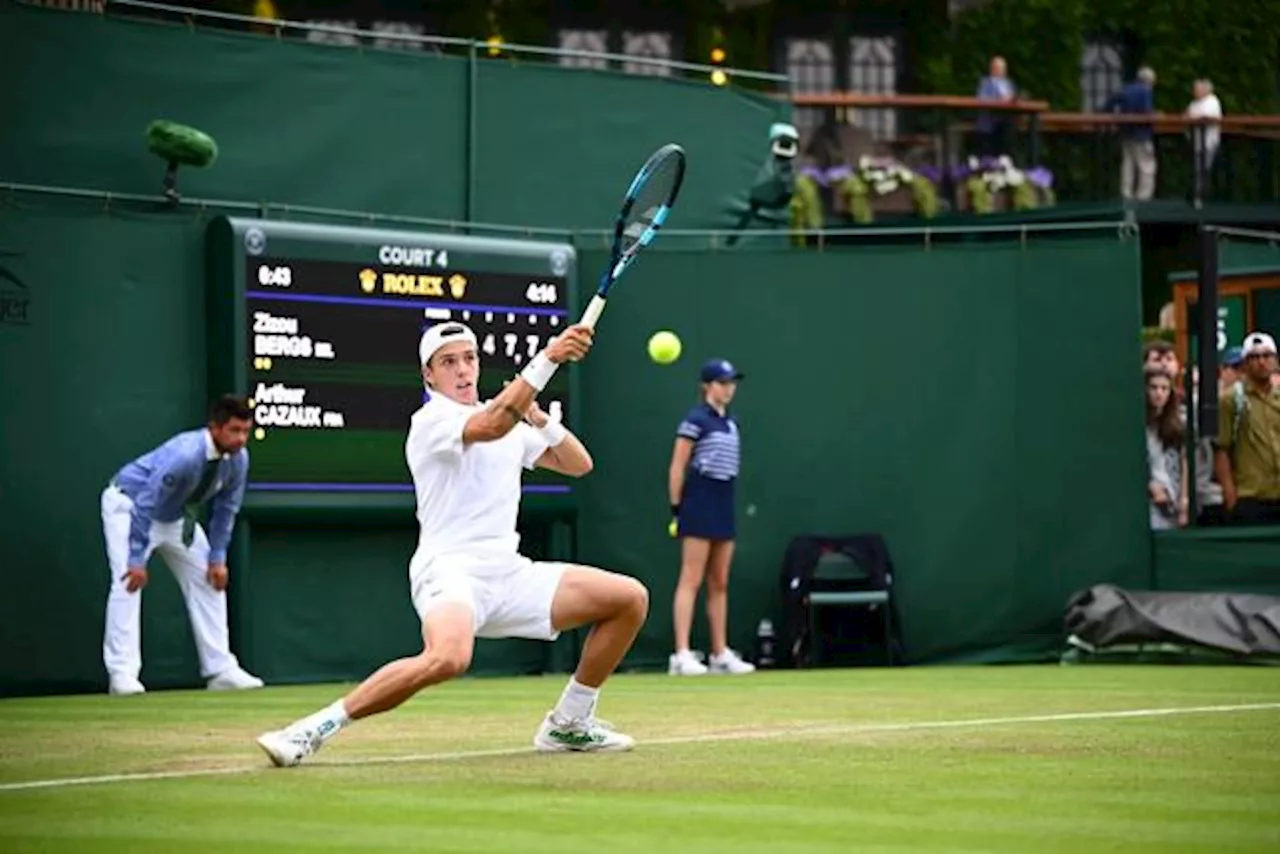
(594, 309)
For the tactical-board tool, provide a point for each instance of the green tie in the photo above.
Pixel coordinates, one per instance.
(192, 508)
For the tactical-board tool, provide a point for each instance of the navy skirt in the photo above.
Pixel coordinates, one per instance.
(706, 508)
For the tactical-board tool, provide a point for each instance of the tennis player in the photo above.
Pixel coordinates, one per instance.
(466, 577)
(704, 467)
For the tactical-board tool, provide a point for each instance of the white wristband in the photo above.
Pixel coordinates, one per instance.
(554, 432)
(539, 371)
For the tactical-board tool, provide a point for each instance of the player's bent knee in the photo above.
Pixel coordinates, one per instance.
(453, 663)
(443, 662)
(636, 598)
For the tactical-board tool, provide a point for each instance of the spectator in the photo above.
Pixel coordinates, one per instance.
(1230, 370)
(1204, 139)
(1248, 445)
(1158, 353)
(1166, 457)
(1138, 150)
(993, 131)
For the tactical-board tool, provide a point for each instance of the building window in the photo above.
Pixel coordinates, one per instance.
(330, 37)
(873, 70)
(811, 67)
(1101, 73)
(398, 28)
(72, 5)
(650, 45)
(592, 40)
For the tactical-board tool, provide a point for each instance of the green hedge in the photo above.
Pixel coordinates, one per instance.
(1236, 43)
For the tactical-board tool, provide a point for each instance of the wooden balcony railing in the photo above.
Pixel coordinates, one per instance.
(1082, 149)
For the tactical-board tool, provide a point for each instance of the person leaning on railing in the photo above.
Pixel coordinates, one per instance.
(993, 131)
(1204, 140)
(1138, 150)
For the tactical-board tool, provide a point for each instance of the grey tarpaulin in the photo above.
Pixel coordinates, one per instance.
(1239, 623)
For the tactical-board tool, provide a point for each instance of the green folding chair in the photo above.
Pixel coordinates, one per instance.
(834, 571)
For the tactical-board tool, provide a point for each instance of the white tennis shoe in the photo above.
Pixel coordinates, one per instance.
(288, 747)
(685, 663)
(122, 685)
(731, 663)
(558, 734)
(235, 679)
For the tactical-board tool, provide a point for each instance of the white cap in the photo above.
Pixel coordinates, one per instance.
(439, 335)
(1256, 343)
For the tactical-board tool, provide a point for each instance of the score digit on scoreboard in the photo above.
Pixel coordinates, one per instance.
(319, 325)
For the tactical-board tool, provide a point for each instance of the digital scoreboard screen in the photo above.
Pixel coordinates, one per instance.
(319, 325)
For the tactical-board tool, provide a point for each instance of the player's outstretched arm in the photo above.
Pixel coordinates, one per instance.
(507, 410)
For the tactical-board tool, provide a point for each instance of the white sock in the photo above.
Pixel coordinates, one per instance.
(327, 722)
(578, 701)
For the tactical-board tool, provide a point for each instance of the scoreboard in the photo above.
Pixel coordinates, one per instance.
(319, 326)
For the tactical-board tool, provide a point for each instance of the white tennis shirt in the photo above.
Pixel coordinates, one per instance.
(468, 496)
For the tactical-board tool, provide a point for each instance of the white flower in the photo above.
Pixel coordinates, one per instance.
(884, 188)
(1005, 161)
(863, 162)
(1016, 178)
(973, 163)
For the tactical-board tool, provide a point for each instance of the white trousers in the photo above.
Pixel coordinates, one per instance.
(122, 640)
(1137, 156)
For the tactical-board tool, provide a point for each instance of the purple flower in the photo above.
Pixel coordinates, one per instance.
(932, 174)
(814, 173)
(826, 177)
(839, 173)
(1041, 177)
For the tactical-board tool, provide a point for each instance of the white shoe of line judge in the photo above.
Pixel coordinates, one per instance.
(235, 679)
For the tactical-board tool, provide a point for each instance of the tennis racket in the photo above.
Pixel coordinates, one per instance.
(645, 208)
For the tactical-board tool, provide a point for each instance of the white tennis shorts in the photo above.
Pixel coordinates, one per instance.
(509, 594)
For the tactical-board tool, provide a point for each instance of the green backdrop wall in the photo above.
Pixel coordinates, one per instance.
(1235, 253)
(372, 130)
(1222, 560)
(113, 360)
(974, 403)
(109, 364)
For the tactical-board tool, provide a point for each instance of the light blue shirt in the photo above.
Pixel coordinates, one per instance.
(995, 88)
(161, 482)
(992, 89)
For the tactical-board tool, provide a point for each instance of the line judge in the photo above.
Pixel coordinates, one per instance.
(151, 506)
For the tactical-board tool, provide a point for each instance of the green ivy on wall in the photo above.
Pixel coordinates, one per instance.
(1235, 43)
(1040, 39)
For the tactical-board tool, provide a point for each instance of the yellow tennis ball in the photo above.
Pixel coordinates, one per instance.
(664, 347)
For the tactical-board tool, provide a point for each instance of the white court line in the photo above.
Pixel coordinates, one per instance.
(740, 735)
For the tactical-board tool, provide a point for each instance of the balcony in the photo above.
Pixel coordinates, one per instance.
(1070, 160)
